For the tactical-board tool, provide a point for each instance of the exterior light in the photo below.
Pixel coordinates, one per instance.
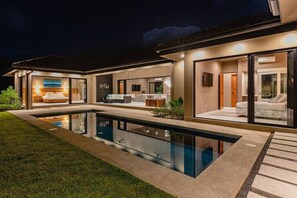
(199, 55)
(37, 90)
(66, 89)
(290, 39)
(239, 47)
(56, 74)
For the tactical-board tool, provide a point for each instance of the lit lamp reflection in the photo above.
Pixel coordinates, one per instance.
(37, 90)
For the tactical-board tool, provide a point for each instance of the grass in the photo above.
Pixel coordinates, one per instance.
(37, 164)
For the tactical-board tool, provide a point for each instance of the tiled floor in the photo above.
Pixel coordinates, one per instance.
(277, 176)
(229, 114)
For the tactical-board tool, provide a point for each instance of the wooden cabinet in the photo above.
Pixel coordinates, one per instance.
(37, 99)
(155, 102)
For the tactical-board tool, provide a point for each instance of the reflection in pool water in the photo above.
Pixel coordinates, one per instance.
(177, 149)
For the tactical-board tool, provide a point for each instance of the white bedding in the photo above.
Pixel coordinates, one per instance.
(54, 96)
(264, 106)
(264, 110)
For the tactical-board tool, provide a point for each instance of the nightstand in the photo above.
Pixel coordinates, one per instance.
(37, 99)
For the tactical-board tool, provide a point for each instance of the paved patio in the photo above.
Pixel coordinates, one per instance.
(224, 178)
(277, 176)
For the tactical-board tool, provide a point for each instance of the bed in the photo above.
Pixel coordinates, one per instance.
(54, 97)
(265, 109)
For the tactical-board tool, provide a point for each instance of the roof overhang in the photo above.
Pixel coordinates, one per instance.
(265, 29)
(287, 10)
(10, 72)
(129, 66)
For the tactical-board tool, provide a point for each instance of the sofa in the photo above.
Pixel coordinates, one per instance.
(117, 98)
(128, 98)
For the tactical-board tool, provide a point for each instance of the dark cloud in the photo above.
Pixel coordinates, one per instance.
(164, 34)
(11, 18)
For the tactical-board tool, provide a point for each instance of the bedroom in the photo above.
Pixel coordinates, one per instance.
(56, 91)
(226, 97)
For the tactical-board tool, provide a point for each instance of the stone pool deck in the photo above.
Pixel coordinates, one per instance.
(277, 175)
(223, 178)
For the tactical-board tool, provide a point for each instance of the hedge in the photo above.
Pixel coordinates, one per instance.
(6, 107)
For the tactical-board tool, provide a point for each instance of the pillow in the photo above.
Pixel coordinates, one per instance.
(48, 94)
(274, 100)
(283, 99)
(59, 94)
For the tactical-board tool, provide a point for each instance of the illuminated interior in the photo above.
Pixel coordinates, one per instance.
(56, 91)
(142, 87)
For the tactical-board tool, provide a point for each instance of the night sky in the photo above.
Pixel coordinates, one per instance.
(98, 29)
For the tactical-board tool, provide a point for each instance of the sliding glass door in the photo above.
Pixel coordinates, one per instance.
(78, 91)
(273, 94)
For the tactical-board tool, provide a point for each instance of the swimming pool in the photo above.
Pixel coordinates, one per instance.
(184, 150)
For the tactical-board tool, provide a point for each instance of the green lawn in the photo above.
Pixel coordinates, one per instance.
(34, 163)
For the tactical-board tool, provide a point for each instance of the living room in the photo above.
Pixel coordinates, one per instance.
(146, 87)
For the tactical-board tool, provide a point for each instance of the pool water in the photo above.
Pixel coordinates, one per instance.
(186, 151)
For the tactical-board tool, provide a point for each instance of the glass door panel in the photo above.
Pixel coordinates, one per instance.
(270, 105)
(268, 86)
(79, 90)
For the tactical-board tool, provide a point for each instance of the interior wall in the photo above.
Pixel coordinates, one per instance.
(207, 97)
(140, 73)
(37, 83)
(230, 66)
(281, 62)
(142, 82)
(166, 84)
(241, 89)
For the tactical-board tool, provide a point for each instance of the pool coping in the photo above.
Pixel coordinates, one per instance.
(223, 178)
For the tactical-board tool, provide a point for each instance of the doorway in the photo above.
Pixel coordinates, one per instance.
(227, 90)
(233, 90)
(122, 84)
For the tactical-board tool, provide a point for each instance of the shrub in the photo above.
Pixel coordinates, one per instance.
(176, 102)
(161, 111)
(6, 107)
(175, 110)
(9, 99)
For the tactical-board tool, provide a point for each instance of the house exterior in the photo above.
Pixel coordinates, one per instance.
(241, 72)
